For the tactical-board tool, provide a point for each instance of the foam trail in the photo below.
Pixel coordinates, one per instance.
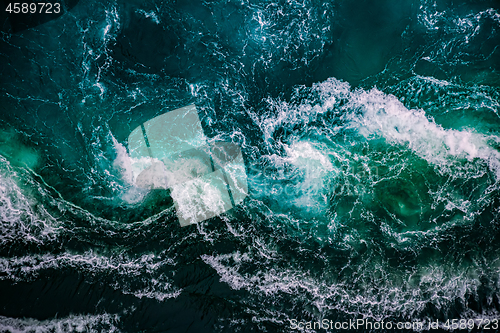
(386, 291)
(131, 194)
(72, 323)
(384, 115)
(21, 217)
(376, 114)
(154, 284)
(312, 168)
(324, 158)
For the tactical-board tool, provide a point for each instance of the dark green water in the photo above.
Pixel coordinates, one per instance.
(371, 137)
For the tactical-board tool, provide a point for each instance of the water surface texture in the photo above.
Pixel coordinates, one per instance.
(370, 132)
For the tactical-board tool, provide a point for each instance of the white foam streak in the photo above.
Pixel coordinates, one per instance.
(376, 114)
(72, 323)
(284, 114)
(131, 194)
(89, 261)
(305, 167)
(385, 116)
(375, 290)
(21, 217)
(120, 268)
(150, 15)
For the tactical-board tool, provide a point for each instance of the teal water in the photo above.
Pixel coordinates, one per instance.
(370, 132)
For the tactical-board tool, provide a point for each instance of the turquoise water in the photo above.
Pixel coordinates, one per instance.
(371, 138)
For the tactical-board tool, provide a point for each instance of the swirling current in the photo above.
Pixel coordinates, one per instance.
(370, 132)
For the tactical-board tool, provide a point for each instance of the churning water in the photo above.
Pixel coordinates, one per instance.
(370, 132)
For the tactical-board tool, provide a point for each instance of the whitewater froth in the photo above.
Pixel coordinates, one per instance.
(375, 114)
(385, 116)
